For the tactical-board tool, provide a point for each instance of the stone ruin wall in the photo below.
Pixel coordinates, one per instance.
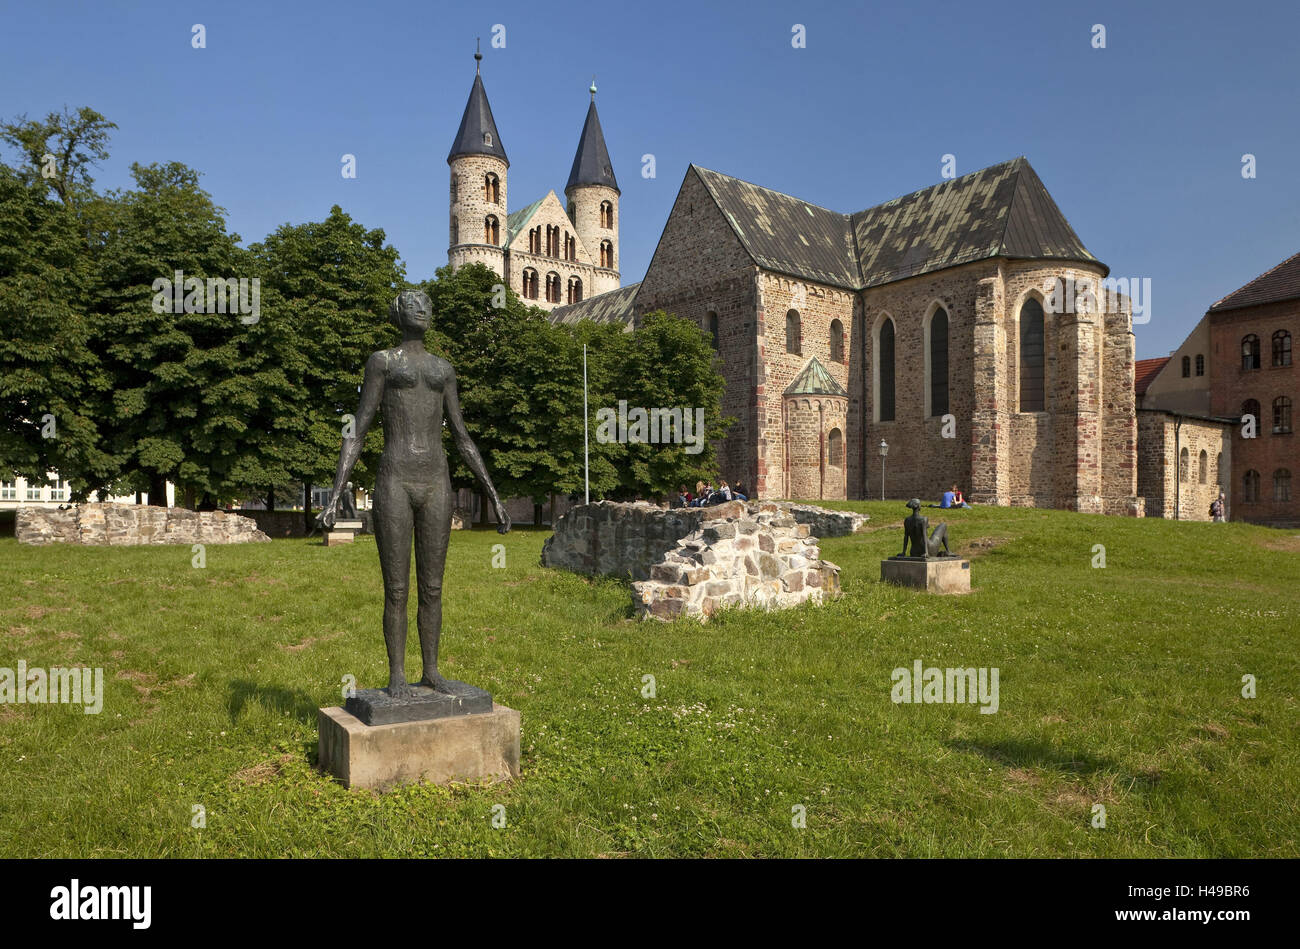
(131, 525)
(696, 561)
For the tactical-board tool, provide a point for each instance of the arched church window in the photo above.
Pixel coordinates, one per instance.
(885, 361)
(492, 188)
(837, 341)
(530, 283)
(552, 287)
(1032, 383)
(1202, 466)
(835, 448)
(793, 332)
(1184, 475)
(491, 230)
(711, 327)
(606, 214)
(939, 362)
(607, 254)
(575, 289)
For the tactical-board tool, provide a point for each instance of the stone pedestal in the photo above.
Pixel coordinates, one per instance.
(933, 574)
(343, 532)
(476, 747)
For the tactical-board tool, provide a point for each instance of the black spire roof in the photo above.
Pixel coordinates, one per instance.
(591, 164)
(478, 132)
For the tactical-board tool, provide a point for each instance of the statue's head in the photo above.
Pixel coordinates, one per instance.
(914, 504)
(410, 311)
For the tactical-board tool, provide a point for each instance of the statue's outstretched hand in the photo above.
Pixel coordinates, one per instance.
(503, 519)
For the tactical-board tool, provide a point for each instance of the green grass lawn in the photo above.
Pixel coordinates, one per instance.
(1119, 686)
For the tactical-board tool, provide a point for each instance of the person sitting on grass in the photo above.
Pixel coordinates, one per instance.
(738, 493)
(958, 500)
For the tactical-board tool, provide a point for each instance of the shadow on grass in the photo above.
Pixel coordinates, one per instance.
(1035, 754)
(278, 698)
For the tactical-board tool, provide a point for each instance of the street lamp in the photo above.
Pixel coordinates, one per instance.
(884, 450)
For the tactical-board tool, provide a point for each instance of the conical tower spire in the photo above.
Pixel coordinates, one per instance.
(478, 130)
(591, 164)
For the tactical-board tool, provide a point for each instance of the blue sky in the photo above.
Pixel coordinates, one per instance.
(1140, 143)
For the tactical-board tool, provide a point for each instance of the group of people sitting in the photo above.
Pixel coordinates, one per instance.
(706, 494)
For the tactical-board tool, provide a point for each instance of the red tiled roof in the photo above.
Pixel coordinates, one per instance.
(1280, 283)
(1144, 370)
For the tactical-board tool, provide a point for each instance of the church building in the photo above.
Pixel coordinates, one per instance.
(894, 351)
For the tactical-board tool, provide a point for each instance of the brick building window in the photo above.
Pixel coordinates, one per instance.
(491, 230)
(1187, 367)
(885, 348)
(1250, 486)
(835, 448)
(1203, 466)
(1032, 389)
(837, 341)
(939, 362)
(1200, 364)
(711, 327)
(1250, 407)
(1282, 415)
(552, 287)
(575, 289)
(1281, 349)
(607, 254)
(1250, 353)
(606, 214)
(1282, 485)
(1184, 475)
(530, 283)
(492, 188)
(793, 332)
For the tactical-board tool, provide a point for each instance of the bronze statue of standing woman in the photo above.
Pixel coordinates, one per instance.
(416, 391)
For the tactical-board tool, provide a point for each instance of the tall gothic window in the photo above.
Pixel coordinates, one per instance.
(793, 332)
(837, 341)
(1184, 475)
(1203, 466)
(939, 362)
(885, 347)
(1187, 367)
(1250, 353)
(711, 327)
(1281, 349)
(1032, 388)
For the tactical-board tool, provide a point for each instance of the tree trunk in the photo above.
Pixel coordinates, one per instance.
(537, 515)
(270, 498)
(189, 497)
(157, 490)
(552, 510)
(306, 506)
(482, 508)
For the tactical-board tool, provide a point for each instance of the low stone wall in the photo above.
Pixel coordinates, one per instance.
(696, 561)
(129, 525)
(824, 523)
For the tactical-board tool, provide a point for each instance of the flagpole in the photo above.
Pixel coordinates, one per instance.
(586, 458)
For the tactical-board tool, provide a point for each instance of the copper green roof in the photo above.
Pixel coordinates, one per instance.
(1000, 211)
(813, 379)
(614, 306)
(516, 221)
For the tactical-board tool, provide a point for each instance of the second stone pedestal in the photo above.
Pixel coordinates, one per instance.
(934, 575)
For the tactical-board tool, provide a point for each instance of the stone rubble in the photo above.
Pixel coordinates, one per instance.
(130, 525)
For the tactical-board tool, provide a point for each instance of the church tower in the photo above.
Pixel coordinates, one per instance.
(478, 185)
(593, 193)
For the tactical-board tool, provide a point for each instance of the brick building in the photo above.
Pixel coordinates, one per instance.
(549, 253)
(924, 323)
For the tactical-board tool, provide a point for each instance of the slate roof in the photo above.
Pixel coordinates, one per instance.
(813, 379)
(591, 164)
(1000, 211)
(1145, 371)
(1280, 283)
(516, 221)
(613, 306)
(477, 120)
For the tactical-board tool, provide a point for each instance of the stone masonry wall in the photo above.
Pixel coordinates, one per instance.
(696, 561)
(129, 525)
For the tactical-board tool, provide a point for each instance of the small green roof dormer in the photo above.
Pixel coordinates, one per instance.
(813, 379)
